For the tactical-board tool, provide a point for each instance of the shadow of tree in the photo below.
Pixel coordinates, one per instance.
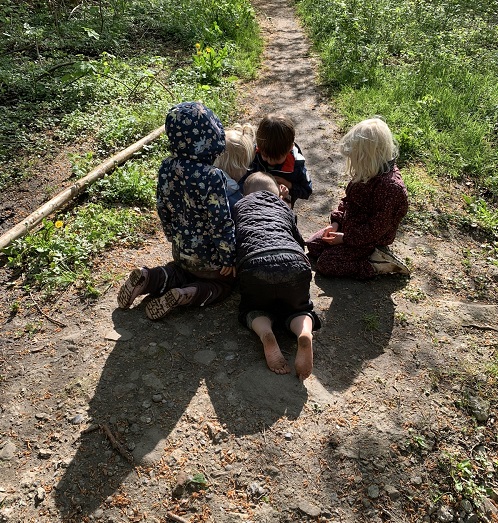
(148, 383)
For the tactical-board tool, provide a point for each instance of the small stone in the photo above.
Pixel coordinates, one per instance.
(309, 509)
(392, 492)
(288, 436)
(479, 408)
(8, 451)
(416, 480)
(41, 416)
(444, 514)
(373, 491)
(40, 494)
(44, 453)
(118, 334)
(77, 420)
(157, 398)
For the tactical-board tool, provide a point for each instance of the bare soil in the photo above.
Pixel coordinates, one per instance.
(107, 416)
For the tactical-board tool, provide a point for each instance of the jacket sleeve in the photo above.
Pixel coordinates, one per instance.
(163, 210)
(222, 226)
(301, 187)
(296, 233)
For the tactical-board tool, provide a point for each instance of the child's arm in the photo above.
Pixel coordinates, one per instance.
(222, 226)
(301, 187)
(390, 206)
(164, 213)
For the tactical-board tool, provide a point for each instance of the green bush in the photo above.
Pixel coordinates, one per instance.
(430, 68)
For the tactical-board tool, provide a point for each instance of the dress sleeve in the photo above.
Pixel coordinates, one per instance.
(387, 202)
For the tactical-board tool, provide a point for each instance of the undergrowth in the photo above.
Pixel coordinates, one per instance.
(431, 70)
(99, 77)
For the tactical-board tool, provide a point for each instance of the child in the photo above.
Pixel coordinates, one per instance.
(235, 160)
(354, 244)
(277, 154)
(274, 273)
(193, 208)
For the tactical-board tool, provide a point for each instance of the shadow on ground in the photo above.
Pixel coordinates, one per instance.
(156, 370)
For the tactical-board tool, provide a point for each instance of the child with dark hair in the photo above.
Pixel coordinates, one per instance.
(193, 207)
(274, 273)
(365, 223)
(279, 155)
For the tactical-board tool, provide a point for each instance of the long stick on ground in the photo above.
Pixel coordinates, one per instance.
(68, 194)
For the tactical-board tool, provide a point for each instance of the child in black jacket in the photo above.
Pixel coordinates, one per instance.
(274, 273)
(279, 155)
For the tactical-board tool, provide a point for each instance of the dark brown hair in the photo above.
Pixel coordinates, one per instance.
(275, 135)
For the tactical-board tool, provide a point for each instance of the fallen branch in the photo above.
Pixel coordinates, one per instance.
(55, 322)
(67, 194)
(482, 327)
(174, 517)
(116, 445)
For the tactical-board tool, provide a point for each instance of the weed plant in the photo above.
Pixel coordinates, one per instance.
(429, 68)
(61, 252)
(109, 71)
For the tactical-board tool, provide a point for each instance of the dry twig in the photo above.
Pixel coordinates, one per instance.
(174, 517)
(116, 445)
(55, 322)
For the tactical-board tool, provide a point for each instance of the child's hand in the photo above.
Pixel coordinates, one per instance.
(331, 236)
(284, 191)
(227, 271)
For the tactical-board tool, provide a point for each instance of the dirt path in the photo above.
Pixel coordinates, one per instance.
(114, 418)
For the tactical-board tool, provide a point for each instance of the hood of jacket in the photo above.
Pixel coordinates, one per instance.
(194, 132)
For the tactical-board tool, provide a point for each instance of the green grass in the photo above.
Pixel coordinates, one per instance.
(98, 77)
(429, 68)
(61, 252)
(109, 73)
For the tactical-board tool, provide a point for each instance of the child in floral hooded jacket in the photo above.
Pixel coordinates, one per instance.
(195, 215)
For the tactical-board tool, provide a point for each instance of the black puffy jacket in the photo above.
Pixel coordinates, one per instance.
(264, 223)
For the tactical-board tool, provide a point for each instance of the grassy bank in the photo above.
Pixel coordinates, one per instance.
(96, 77)
(431, 70)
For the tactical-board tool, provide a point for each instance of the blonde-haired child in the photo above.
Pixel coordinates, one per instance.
(235, 160)
(367, 219)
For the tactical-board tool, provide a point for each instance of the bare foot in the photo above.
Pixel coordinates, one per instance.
(304, 356)
(274, 357)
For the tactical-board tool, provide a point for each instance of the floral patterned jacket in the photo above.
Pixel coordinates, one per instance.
(191, 193)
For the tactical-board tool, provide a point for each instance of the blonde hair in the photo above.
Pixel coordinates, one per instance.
(368, 147)
(260, 181)
(239, 151)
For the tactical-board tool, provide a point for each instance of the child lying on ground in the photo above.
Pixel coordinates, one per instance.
(274, 273)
